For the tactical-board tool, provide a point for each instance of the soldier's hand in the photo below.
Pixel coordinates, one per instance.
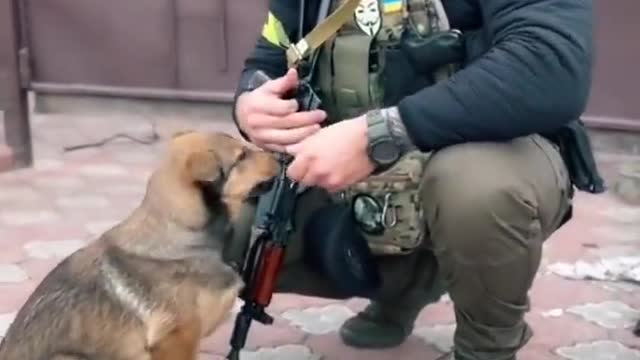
(333, 158)
(270, 120)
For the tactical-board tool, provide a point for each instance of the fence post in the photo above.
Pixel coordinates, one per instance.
(13, 97)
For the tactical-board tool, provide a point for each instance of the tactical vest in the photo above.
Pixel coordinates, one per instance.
(370, 54)
(387, 50)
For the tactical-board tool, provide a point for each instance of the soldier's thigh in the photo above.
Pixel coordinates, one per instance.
(296, 276)
(489, 208)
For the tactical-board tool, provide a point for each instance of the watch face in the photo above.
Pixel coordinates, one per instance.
(385, 152)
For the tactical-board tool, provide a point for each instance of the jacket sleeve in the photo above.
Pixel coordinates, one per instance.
(535, 77)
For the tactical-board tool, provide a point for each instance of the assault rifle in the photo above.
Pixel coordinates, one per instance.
(275, 209)
(269, 240)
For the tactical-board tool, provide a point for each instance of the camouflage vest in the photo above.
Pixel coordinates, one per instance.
(357, 70)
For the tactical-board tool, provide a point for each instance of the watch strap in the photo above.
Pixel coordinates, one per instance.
(378, 135)
(377, 125)
(397, 129)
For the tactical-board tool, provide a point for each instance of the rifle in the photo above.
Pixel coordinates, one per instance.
(274, 212)
(271, 230)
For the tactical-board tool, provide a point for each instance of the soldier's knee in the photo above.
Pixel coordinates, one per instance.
(482, 212)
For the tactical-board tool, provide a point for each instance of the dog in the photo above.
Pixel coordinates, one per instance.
(155, 284)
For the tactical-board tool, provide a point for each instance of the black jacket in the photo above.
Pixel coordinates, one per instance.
(528, 70)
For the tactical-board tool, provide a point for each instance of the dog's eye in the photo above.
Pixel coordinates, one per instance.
(243, 155)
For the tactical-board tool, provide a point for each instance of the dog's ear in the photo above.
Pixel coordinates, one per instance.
(204, 166)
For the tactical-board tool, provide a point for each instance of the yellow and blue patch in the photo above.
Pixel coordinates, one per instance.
(390, 6)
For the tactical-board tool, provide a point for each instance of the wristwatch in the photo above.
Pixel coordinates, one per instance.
(385, 148)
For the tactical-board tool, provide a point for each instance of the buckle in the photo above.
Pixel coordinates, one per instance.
(297, 52)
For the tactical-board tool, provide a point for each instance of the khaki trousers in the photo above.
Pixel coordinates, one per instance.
(489, 208)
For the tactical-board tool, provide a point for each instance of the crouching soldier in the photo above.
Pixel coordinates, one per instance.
(446, 151)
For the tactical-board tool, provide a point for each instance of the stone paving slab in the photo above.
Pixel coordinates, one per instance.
(67, 199)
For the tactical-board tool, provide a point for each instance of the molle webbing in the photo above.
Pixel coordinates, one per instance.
(352, 67)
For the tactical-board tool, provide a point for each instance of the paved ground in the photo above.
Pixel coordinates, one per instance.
(67, 199)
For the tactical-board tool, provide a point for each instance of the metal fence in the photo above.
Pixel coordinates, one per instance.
(154, 48)
(13, 99)
(614, 101)
(194, 49)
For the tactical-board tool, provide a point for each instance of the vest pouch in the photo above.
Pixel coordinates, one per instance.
(351, 77)
(388, 206)
(576, 151)
(429, 53)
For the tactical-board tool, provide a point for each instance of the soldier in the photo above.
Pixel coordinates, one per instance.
(459, 119)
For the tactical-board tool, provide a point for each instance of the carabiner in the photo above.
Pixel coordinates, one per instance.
(385, 210)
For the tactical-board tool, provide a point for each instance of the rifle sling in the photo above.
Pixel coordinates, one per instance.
(321, 33)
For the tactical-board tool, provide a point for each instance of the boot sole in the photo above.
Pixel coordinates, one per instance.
(355, 340)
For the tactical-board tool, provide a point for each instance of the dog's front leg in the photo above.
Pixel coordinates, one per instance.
(180, 344)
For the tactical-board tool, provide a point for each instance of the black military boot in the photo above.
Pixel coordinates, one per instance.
(379, 326)
(388, 323)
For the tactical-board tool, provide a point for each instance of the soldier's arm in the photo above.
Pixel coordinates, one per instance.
(269, 52)
(535, 77)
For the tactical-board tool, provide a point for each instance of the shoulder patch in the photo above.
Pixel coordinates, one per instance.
(273, 31)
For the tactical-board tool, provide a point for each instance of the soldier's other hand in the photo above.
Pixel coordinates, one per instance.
(334, 157)
(270, 120)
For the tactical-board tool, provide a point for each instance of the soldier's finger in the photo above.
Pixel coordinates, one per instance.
(285, 136)
(282, 84)
(272, 105)
(291, 121)
(298, 168)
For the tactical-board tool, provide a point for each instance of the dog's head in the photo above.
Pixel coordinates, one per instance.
(226, 170)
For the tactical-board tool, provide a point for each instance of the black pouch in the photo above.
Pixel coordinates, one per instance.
(409, 65)
(575, 148)
(399, 76)
(439, 49)
(335, 248)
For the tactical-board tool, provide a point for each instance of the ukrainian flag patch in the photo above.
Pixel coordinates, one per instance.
(390, 6)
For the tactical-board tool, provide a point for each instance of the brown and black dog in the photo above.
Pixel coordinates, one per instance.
(154, 285)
